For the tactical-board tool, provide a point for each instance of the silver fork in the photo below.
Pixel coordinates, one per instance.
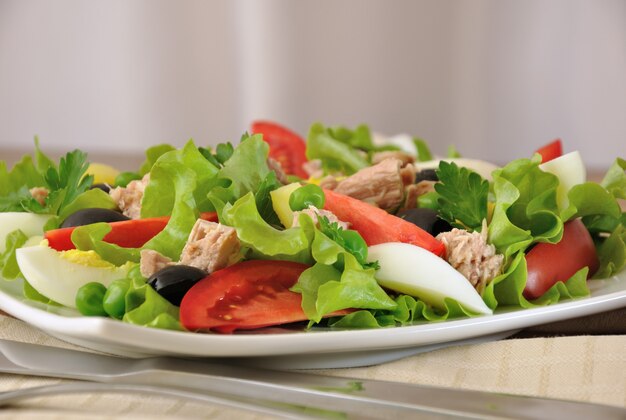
(287, 412)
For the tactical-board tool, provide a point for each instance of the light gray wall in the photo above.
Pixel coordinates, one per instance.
(497, 78)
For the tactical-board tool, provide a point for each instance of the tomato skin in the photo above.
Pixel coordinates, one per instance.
(548, 264)
(247, 295)
(550, 151)
(127, 233)
(286, 147)
(377, 226)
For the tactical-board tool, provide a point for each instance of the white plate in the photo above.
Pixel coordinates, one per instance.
(314, 349)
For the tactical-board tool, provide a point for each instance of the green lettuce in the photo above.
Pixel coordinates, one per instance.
(507, 288)
(8, 263)
(152, 155)
(409, 310)
(525, 210)
(145, 307)
(180, 181)
(615, 179)
(245, 171)
(336, 154)
(337, 281)
(90, 237)
(263, 240)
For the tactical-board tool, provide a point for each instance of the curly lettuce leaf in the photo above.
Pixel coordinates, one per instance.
(615, 179)
(507, 288)
(160, 195)
(152, 155)
(8, 263)
(423, 151)
(525, 210)
(180, 180)
(244, 171)
(612, 253)
(336, 155)
(90, 237)
(145, 307)
(337, 281)
(408, 311)
(263, 240)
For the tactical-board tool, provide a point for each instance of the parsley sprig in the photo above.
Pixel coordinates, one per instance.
(462, 196)
(68, 181)
(350, 240)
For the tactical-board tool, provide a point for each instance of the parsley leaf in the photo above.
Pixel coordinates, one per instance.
(462, 196)
(68, 181)
(350, 240)
(264, 201)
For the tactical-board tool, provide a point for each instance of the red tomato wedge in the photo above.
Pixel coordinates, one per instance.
(248, 295)
(127, 233)
(377, 226)
(286, 147)
(550, 151)
(548, 264)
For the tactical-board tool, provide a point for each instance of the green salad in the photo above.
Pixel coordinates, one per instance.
(344, 230)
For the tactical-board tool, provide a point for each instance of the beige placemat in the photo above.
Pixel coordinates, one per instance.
(582, 368)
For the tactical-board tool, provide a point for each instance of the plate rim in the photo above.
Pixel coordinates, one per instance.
(104, 331)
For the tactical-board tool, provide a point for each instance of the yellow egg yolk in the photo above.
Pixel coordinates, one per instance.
(88, 258)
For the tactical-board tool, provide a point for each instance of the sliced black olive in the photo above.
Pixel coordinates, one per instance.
(174, 281)
(104, 187)
(427, 219)
(426, 175)
(89, 216)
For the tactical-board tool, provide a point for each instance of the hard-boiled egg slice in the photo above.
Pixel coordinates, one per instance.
(412, 270)
(483, 168)
(570, 169)
(59, 275)
(29, 223)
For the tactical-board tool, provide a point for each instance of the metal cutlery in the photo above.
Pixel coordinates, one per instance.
(289, 390)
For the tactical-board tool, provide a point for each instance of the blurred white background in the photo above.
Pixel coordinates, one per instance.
(495, 78)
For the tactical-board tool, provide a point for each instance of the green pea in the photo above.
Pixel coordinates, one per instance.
(89, 299)
(428, 200)
(355, 243)
(123, 178)
(114, 302)
(308, 195)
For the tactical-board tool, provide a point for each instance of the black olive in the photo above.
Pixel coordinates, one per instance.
(104, 187)
(89, 216)
(426, 175)
(427, 219)
(174, 281)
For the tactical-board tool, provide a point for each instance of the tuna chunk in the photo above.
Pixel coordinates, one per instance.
(40, 194)
(471, 255)
(314, 212)
(404, 157)
(413, 191)
(152, 261)
(128, 199)
(275, 166)
(381, 185)
(211, 246)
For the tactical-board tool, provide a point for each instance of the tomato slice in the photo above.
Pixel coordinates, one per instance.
(548, 264)
(128, 233)
(251, 294)
(377, 226)
(550, 151)
(286, 147)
